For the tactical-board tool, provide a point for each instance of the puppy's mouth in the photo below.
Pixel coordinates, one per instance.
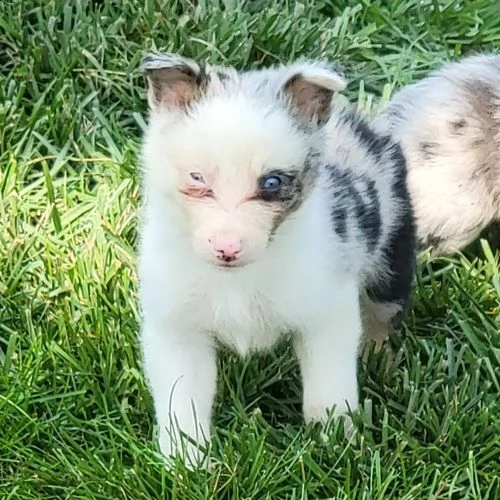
(230, 265)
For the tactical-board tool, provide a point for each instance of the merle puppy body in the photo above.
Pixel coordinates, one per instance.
(265, 214)
(449, 128)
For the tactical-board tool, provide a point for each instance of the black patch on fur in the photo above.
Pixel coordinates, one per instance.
(369, 217)
(339, 218)
(458, 126)
(399, 252)
(349, 199)
(428, 149)
(222, 76)
(375, 143)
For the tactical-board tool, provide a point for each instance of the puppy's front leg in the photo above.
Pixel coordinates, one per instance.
(328, 354)
(181, 369)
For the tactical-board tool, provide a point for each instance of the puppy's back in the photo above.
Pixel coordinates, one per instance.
(449, 127)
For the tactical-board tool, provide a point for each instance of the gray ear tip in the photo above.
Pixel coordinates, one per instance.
(327, 64)
(336, 67)
(329, 69)
(146, 62)
(154, 61)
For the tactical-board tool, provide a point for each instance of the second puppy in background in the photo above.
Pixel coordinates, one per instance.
(449, 127)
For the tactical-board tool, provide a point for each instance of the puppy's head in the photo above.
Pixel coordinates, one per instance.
(234, 149)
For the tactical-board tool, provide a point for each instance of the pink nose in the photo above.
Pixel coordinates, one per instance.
(226, 249)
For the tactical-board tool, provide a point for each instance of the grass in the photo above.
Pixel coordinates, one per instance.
(75, 414)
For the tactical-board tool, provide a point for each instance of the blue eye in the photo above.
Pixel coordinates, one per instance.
(271, 183)
(275, 186)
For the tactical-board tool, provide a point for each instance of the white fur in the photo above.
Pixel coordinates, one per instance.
(306, 282)
(188, 304)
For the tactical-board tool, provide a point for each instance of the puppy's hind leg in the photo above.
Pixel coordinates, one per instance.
(380, 320)
(383, 302)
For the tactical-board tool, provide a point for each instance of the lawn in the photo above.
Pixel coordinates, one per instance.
(76, 417)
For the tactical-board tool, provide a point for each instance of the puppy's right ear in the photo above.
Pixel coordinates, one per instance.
(174, 82)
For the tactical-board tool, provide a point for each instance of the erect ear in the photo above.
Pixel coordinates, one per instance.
(174, 81)
(310, 87)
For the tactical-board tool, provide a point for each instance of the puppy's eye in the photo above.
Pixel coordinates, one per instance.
(198, 188)
(196, 176)
(271, 183)
(275, 186)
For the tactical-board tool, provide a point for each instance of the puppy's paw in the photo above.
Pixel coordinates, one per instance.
(327, 420)
(194, 455)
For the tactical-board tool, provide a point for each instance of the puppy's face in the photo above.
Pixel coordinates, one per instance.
(238, 176)
(233, 148)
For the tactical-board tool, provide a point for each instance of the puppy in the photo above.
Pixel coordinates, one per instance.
(449, 128)
(265, 214)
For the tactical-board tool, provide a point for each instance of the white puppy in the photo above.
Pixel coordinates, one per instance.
(449, 128)
(264, 215)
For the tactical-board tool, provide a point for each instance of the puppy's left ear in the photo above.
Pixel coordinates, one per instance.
(309, 88)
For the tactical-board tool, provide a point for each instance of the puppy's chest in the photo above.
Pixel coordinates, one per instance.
(245, 320)
(249, 316)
